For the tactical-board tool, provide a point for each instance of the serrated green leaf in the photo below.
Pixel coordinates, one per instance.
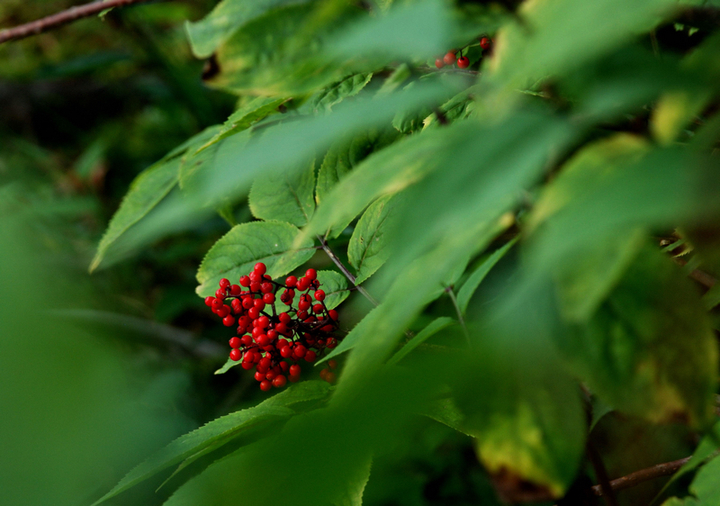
(353, 494)
(257, 109)
(228, 16)
(285, 196)
(199, 164)
(432, 328)
(368, 250)
(145, 192)
(399, 75)
(236, 253)
(221, 431)
(213, 434)
(325, 99)
(149, 188)
(468, 288)
(283, 51)
(334, 285)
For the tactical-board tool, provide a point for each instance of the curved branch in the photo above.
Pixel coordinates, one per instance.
(61, 18)
(632, 479)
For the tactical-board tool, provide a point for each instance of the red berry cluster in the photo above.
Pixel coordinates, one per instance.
(463, 62)
(273, 342)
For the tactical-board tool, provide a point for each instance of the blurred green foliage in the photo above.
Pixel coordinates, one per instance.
(529, 250)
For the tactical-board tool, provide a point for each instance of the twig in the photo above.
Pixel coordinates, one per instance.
(449, 290)
(605, 487)
(345, 271)
(701, 277)
(61, 18)
(637, 477)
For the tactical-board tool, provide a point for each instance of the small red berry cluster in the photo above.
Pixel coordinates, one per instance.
(273, 342)
(463, 62)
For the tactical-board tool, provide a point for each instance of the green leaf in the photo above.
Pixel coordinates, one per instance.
(469, 287)
(345, 155)
(227, 17)
(334, 285)
(221, 431)
(367, 250)
(325, 99)
(285, 196)
(433, 328)
(528, 51)
(283, 52)
(705, 487)
(244, 117)
(149, 188)
(198, 164)
(708, 447)
(399, 75)
(211, 435)
(353, 495)
(236, 253)
(531, 427)
(649, 350)
(380, 328)
(227, 366)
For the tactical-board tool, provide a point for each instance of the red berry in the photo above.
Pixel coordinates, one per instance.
(299, 351)
(279, 381)
(323, 373)
(284, 366)
(303, 305)
(293, 379)
(463, 62)
(485, 43)
(262, 340)
(245, 281)
(332, 364)
(259, 376)
(311, 274)
(333, 315)
(284, 317)
(246, 365)
(216, 303)
(235, 290)
(223, 312)
(319, 295)
(331, 343)
(330, 377)
(302, 284)
(253, 312)
(247, 302)
(302, 315)
(281, 328)
(286, 352)
(246, 340)
(209, 301)
(255, 286)
(235, 354)
(235, 342)
(224, 283)
(266, 287)
(220, 294)
(260, 268)
(295, 370)
(255, 277)
(439, 63)
(291, 281)
(259, 304)
(272, 335)
(310, 356)
(449, 58)
(318, 308)
(265, 385)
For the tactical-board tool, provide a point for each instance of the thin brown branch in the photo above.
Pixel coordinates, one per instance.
(632, 479)
(62, 18)
(605, 487)
(345, 271)
(701, 277)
